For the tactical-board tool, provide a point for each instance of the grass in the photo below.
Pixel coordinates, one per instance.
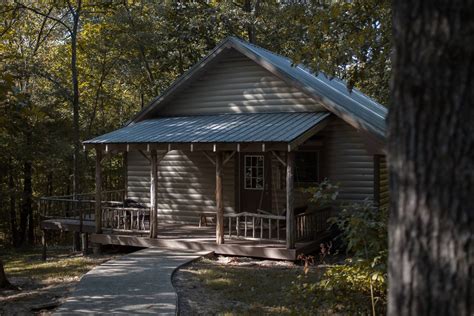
(258, 290)
(60, 265)
(41, 284)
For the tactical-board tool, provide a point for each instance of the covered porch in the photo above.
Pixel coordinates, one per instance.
(248, 230)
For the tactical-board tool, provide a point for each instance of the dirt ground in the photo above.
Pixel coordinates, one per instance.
(237, 286)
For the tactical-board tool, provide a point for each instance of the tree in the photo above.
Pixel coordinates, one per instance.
(4, 283)
(72, 28)
(431, 158)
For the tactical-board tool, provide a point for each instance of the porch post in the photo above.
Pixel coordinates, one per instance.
(125, 176)
(153, 199)
(219, 199)
(98, 191)
(290, 212)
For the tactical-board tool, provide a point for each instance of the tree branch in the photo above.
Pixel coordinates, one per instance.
(45, 15)
(40, 33)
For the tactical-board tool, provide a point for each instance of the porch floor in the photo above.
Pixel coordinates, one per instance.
(192, 237)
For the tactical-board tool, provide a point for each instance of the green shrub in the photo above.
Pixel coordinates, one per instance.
(323, 194)
(359, 286)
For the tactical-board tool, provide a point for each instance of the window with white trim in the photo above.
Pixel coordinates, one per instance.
(254, 172)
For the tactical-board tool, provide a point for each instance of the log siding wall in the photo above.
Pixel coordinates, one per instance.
(346, 161)
(238, 85)
(381, 186)
(186, 185)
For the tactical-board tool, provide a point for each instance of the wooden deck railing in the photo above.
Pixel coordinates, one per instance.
(75, 206)
(126, 219)
(310, 224)
(255, 226)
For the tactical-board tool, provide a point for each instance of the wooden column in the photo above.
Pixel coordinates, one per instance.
(153, 193)
(125, 176)
(98, 191)
(219, 199)
(290, 211)
(43, 243)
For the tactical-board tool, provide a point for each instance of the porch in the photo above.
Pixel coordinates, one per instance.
(246, 234)
(236, 157)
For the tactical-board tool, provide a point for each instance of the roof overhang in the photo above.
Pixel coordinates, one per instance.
(240, 132)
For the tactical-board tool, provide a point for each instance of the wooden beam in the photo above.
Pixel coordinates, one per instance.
(209, 157)
(153, 195)
(125, 175)
(144, 155)
(308, 134)
(226, 160)
(219, 199)
(43, 243)
(290, 211)
(278, 158)
(98, 191)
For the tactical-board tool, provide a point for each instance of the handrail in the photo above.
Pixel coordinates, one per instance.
(80, 205)
(280, 217)
(259, 224)
(69, 197)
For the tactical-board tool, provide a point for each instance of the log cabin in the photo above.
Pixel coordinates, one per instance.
(218, 160)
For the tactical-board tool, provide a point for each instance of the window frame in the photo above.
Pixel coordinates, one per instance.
(252, 175)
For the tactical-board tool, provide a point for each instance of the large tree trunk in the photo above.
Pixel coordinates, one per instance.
(431, 157)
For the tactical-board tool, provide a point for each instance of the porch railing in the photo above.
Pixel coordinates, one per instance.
(75, 206)
(126, 219)
(309, 225)
(247, 225)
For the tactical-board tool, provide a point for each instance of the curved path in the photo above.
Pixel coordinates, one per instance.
(137, 283)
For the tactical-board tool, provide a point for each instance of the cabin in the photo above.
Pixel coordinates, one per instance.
(219, 160)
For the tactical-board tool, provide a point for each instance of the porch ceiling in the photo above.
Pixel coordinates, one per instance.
(212, 129)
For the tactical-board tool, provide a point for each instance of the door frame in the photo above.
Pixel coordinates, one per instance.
(240, 179)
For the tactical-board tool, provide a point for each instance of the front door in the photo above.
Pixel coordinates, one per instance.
(255, 182)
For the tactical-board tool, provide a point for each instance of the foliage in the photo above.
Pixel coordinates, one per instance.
(364, 229)
(359, 286)
(343, 289)
(130, 51)
(324, 194)
(351, 40)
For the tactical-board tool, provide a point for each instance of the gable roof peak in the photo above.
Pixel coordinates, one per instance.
(353, 106)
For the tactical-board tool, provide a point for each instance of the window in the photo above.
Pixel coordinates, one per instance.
(306, 167)
(253, 166)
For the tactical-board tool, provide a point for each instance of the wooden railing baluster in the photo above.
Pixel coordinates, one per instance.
(253, 226)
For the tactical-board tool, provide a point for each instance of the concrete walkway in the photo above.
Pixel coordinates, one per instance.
(137, 283)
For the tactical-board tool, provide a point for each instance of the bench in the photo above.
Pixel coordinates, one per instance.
(203, 217)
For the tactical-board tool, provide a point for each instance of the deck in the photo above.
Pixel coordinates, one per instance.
(175, 236)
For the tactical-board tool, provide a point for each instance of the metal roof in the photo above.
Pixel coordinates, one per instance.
(354, 103)
(352, 106)
(225, 128)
